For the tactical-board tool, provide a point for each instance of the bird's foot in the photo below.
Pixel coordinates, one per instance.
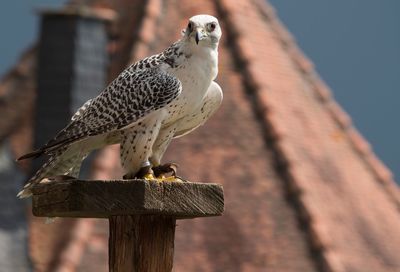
(160, 173)
(165, 170)
(144, 173)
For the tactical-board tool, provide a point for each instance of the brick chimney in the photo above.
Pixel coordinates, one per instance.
(72, 66)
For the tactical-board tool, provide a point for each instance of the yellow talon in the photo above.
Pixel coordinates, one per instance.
(149, 176)
(163, 178)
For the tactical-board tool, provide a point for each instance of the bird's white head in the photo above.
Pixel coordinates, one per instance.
(203, 30)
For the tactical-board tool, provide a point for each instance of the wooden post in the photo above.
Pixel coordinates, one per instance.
(142, 214)
(141, 243)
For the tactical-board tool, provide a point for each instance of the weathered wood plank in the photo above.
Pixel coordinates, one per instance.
(103, 199)
(141, 243)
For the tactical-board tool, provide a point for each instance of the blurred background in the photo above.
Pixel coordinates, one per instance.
(304, 191)
(348, 42)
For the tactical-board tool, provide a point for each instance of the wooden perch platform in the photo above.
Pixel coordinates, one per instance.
(141, 214)
(102, 199)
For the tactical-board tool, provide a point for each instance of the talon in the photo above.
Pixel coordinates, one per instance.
(149, 176)
(128, 176)
(165, 170)
(144, 173)
(161, 173)
(163, 178)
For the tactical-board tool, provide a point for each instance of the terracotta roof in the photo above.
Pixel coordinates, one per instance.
(304, 191)
(342, 193)
(17, 96)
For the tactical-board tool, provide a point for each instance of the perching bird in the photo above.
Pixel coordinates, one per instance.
(151, 102)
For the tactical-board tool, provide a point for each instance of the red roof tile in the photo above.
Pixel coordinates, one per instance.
(338, 184)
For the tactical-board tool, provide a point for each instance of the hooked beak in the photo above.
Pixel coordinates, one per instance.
(199, 36)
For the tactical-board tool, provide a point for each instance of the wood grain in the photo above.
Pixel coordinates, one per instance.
(103, 199)
(141, 243)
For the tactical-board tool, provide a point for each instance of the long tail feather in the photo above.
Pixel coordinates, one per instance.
(33, 154)
(59, 163)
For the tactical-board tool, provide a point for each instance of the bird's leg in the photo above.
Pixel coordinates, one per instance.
(145, 172)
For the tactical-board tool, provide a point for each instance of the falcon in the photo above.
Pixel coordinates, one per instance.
(154, 100)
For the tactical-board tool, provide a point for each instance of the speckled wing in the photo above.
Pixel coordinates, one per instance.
(130, 97)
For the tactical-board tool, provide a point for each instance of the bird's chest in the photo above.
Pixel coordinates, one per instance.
(195, 74)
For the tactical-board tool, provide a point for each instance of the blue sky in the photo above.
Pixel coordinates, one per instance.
(355, 45)
(18, 26)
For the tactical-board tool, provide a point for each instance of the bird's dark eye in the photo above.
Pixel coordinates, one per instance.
(212, 26)
(190, 26)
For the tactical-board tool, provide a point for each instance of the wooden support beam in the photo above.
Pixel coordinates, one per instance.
(141, 213)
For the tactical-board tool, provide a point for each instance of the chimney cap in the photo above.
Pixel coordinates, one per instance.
(104, 14)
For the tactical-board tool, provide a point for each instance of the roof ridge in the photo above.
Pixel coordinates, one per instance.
(17, 69)
(317, 243)
(357, 141)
